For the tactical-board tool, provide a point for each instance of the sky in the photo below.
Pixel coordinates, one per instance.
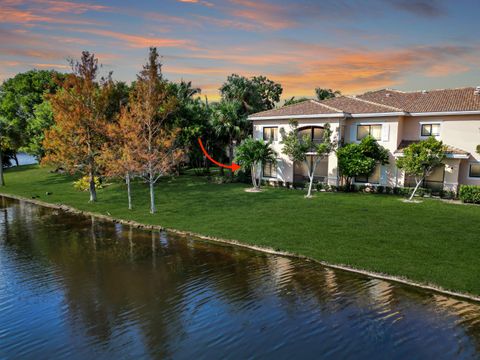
(351, 46)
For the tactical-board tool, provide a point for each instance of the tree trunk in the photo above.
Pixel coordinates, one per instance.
(2, 180)
(152, 195)
(416, 188)
(15, 158)
(129, 193)
(254, 180)
(311, 171)
(93, 191)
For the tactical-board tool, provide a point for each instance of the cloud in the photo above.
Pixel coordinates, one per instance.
(269, 15)
(41, 11)
(201, 2)
(446, 69)
(300, 67)
(424, 8)
(138, 41)
(51, 66)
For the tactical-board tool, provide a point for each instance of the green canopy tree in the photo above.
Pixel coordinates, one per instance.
(22, 108)
(360, 159)
(229, 124)
(255, 94)
(299, 149)
(420, 159)
(324, 94)
(252, 154)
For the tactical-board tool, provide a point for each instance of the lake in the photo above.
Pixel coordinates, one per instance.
(73, 287)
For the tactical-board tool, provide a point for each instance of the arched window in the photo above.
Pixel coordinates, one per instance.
(314, 132)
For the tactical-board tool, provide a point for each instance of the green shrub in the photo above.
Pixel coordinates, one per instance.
(388, 190)
(219, 179)
(319, 186)
(447, 194)
(380, 189)
(333, 188)
(83, 184)
(469, 194)
(326, 187)
(299, 185)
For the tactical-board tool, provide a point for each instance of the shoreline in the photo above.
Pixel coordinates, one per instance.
(266, 250)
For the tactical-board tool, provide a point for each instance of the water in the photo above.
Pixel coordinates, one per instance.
(76, 288)
(24, 159)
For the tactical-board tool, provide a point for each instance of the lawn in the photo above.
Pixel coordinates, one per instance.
(432, 242)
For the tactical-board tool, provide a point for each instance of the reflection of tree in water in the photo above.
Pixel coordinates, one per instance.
(116, 278)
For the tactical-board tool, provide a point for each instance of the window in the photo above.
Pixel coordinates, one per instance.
(474, 170)
(270, 133)
(373, 178)
(314, 133)
(430, 130)
(372, 130)
(269, 170)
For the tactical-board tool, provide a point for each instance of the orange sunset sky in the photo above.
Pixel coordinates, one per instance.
(352, 46)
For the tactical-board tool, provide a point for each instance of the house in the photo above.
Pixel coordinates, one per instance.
(396, 119)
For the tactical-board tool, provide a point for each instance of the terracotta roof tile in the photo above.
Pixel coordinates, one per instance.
(384, 101)
(355, 105)
(463, 99)
(307, 107)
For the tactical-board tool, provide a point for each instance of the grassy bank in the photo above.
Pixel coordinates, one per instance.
(432, 242)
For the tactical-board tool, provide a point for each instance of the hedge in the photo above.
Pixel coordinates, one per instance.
(469, 194)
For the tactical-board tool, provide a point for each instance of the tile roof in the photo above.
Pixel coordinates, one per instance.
(449, 149)
(355, 105)
(384, 101)
(307, 107)
(462, 99)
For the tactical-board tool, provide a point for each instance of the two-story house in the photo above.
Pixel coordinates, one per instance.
(396, 119)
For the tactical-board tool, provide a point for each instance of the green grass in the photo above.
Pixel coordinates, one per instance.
(432, 242)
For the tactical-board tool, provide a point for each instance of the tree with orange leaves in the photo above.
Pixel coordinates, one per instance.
(79, 107)
(119, 153)
(153, 142)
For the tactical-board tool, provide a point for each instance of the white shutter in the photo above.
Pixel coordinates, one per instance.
(385, 132)
(353, 132)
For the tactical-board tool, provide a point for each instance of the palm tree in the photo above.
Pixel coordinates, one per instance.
(228, 124)
(253, 154)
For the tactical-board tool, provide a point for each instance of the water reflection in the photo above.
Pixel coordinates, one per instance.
(78, 287)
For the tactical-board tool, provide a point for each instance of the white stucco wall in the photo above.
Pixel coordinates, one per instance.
(461, 131)
(285, 165)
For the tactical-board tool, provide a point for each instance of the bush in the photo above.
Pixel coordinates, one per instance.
(447, 194)
(333, 188)
(299, 185)
(469, 194)
(388, 190)
(83, 184)
(219, 179)
(319, 186)
(380, 189)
